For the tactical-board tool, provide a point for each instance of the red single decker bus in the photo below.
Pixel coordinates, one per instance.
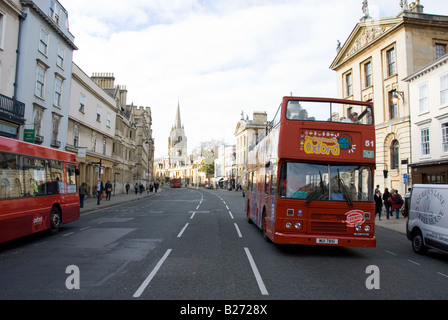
(310, 175)
(176, 183)
(38, 189)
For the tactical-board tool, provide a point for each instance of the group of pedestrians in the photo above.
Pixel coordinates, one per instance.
(392, 201)
(105, 190)
(139, 188)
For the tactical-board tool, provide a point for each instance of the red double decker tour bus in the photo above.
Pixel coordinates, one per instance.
(309, 179)
(176, 183)
(38, 189)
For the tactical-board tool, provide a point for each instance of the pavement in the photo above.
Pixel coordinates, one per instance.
(398, 225)
(90, 204)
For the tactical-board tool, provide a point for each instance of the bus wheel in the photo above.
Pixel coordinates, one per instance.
(55, 220)
(417, 242)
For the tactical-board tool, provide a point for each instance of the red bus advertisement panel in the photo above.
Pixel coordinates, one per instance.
(38, 189)
(310, 179)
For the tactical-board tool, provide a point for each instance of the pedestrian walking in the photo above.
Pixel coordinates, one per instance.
(378, 204)
(108, 190)
(82, 194)
(141, 188)
(127, 188)
(136, 188)
(398, 203)
(387, 204)
(99, 191)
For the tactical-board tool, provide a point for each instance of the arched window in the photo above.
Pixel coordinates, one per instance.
(179, 139)
(394, 154)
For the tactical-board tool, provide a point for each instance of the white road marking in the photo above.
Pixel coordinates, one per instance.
(256, 273)
(182, 231)
(238, 230)
(145, 283)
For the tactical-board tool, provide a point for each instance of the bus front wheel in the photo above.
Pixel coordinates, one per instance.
(263, 226)
(55, 220)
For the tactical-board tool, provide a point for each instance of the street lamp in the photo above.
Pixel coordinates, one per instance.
(396, 96)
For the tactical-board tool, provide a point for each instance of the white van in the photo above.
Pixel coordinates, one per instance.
(428, 217)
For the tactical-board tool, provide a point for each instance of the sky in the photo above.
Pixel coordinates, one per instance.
(217, 58)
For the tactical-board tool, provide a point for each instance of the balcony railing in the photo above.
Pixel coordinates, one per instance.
(12, 110)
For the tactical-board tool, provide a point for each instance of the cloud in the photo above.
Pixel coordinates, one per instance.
(218, 57)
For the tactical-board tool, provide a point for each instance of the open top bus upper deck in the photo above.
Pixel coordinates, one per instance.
(322, 129)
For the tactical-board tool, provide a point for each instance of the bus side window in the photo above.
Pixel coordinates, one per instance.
(274, 183)
(34, 170)
(71, 178)
(55, 177)
(10, 186)
(266, 185)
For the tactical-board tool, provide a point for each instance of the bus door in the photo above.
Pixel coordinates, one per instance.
(70, 198)
(270, 189)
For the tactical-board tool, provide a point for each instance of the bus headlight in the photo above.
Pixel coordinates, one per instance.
(367, 228)
(298, 225)
(288, 225)
(358, 228)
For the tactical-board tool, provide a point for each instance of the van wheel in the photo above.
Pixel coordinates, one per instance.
(55, 220)
(417, 243)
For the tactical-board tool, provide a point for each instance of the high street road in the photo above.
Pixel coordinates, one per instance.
(196, 244)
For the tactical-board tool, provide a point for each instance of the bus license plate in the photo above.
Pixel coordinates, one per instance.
(326, 241)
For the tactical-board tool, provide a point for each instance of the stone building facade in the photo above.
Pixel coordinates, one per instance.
(371, 66)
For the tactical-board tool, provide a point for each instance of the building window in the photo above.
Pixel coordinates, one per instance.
(76, 135)
(2, 28)
(434, 178)
(94, 141)
(98, 114)
(394, 154)
(60, 58)
(57, 92)
(424, 138)
(440, 50)
(368, 74)
(37, 120)
(55, 12)
(104, 144)
(55, 131)
(444, 90)
(108, 120)
(393, 107)
(445, 138)
(82, 103)
(40, 81)
(349, 84)
(43, 44)
(423, 98)
(391, 66)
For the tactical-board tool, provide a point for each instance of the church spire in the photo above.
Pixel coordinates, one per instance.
(178, 122)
